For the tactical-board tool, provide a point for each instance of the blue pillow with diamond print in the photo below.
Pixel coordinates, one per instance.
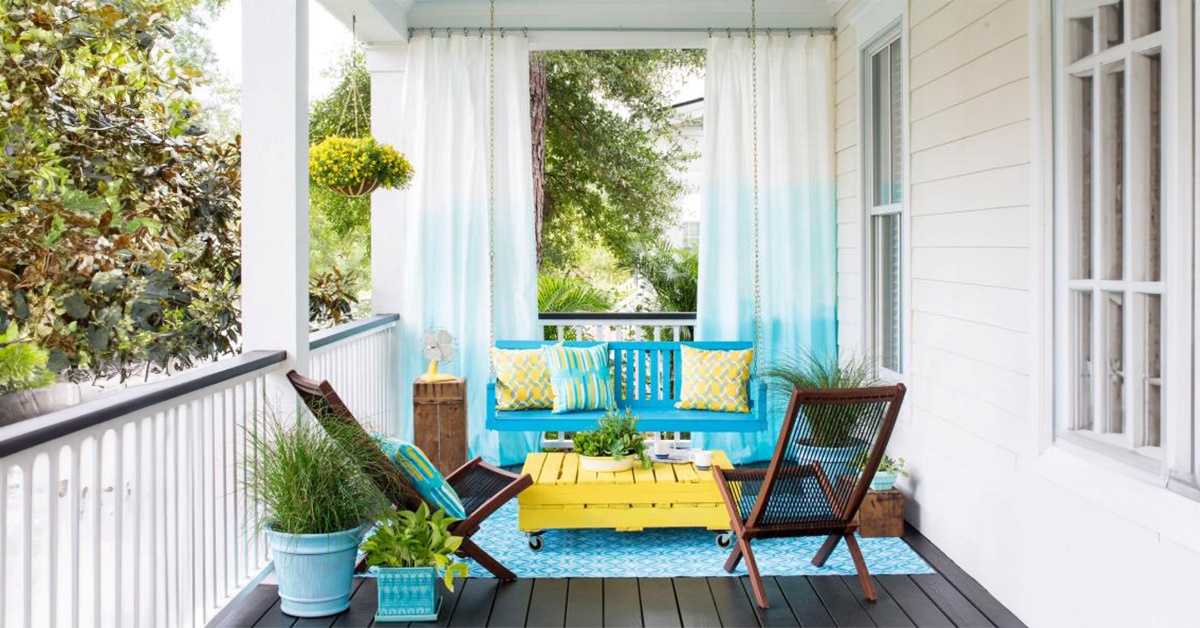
(425, 477)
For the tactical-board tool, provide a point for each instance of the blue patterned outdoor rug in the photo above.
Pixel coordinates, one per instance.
(671, 552)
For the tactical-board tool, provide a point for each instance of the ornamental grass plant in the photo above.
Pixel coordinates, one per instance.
(832, 427)
(306, 482)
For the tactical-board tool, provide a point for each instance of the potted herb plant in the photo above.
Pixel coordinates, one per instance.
(613, 445)
(830, 434)
(316, 504)
(890, 469)
(354, 166)
(409, 549)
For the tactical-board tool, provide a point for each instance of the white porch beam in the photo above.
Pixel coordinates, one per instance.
(386, 66)
(275, 180)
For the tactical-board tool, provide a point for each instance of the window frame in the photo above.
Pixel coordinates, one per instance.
(1176, 467)
(883, 37)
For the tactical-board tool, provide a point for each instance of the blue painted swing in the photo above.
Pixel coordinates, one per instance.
(647, 377)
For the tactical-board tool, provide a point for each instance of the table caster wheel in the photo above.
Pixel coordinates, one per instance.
(535, 542)
(725, 540)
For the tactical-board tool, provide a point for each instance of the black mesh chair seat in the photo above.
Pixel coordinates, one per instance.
(799, 503)
(478, 484)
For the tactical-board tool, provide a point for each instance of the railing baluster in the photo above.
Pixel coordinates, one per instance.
(27, 530)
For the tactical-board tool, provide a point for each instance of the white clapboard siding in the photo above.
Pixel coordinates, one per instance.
(1000, 227)
(1005, 64)
(849, 211)
(952, 19)
(984, 112)
(999, 307)
(1002, 187)
(996, 267)
(921, 10)
(991, 31)
(1004, 348)
(997, 148)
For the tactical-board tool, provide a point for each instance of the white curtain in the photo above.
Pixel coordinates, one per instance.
(797, 208)
(444, 238)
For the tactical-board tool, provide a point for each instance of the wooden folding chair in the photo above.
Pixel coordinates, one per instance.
(482, 488)
(796, 495)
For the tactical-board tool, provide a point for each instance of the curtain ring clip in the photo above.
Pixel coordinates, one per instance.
(464, 31)
(811, 33)
(481, 32)
(431, 33)
(447, 31)
(525, 31)
(789, 33)
(501, 32)
(729, 32)
(710, 33)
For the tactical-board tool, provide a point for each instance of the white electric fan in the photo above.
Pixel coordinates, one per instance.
(437, 345)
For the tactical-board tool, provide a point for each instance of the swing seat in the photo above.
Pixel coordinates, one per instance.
(647, 378)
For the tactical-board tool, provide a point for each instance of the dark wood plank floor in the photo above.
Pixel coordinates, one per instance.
(950, 597)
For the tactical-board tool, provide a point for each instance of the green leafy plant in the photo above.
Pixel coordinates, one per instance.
(355, 166)
(564, 293)
(306, 482)
(22, 364)
(409, 538)
(616, 435)
(887, 464)
(834, 426)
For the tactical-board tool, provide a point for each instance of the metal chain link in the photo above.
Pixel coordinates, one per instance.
(491, 182)
(758, 325)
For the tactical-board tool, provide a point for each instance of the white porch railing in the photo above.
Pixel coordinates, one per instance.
(360, 360)
(131, 510)
(605, 326)
(618, 325)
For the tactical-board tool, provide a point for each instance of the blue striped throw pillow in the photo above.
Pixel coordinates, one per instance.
(580, 378)
(425, 477)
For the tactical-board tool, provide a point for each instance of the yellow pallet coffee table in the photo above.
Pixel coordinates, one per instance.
(665, 496)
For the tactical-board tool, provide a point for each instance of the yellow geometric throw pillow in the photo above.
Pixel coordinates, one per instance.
(522, 380)
(715, 380)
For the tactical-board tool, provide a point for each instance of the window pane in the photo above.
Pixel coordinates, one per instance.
(1112, 147)
(1114, 334)
(885, 232)
(880, 137)
(1079, 34)
(1112, 25)
(1152, 213)
(1081, 305)
(896, 127)
(1151, 428)
(1145, 17)
(1082, 235)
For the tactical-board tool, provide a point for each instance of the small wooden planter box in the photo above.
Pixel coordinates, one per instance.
(440, 422)
(881, 514)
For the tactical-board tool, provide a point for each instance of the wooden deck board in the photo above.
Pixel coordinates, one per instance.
(949, 598)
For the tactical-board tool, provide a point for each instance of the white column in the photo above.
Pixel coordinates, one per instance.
(275, 180)
(386, 65)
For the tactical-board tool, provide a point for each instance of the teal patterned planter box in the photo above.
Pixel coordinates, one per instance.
(407, 594)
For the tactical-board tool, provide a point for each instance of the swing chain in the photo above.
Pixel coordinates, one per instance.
(758, 326)
(491, 218)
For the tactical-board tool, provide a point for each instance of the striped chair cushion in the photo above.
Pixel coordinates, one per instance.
(580, 378)
(425, 477)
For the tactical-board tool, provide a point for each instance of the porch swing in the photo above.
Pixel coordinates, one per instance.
(647, 375)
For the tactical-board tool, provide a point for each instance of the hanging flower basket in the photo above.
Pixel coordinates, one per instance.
(354, 166)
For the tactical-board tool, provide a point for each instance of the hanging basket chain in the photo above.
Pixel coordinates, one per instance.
(758, 325)
(491, 218)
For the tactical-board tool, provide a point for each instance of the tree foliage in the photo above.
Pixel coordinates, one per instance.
(673, 273)
(612, 151)
(564, 293)
(119, 243)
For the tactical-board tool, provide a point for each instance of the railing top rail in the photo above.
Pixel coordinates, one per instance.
(333, 335)
(21, 436)
(617, 316)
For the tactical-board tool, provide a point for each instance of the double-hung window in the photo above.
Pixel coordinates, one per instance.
(1114, 216)
(884, 191)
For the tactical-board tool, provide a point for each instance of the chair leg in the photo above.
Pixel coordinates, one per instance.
(501, 572)
(864, 576)
(826, 549)
(760, 592)
(735, 557)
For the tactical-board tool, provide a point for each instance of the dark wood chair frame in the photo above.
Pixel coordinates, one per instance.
(843, 523)
(336, 418)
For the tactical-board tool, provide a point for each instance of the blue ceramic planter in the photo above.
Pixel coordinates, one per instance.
(883, 481)
(837, 461)
(315, 571)
(407, 594)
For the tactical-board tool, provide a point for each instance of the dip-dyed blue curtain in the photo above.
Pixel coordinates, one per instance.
(443, 243)
(797, 207)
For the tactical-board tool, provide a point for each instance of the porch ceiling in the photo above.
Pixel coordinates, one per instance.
(388, 21)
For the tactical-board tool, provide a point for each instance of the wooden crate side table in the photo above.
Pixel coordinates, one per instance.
(440, 422)
(665, 496)
(881, 514)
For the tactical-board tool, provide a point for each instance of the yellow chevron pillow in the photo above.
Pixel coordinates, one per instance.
(522, 380)
(715, 380)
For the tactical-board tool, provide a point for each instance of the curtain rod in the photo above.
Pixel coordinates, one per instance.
(728, 30)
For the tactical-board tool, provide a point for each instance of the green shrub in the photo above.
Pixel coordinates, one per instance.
(616, 435)
(22, 364)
